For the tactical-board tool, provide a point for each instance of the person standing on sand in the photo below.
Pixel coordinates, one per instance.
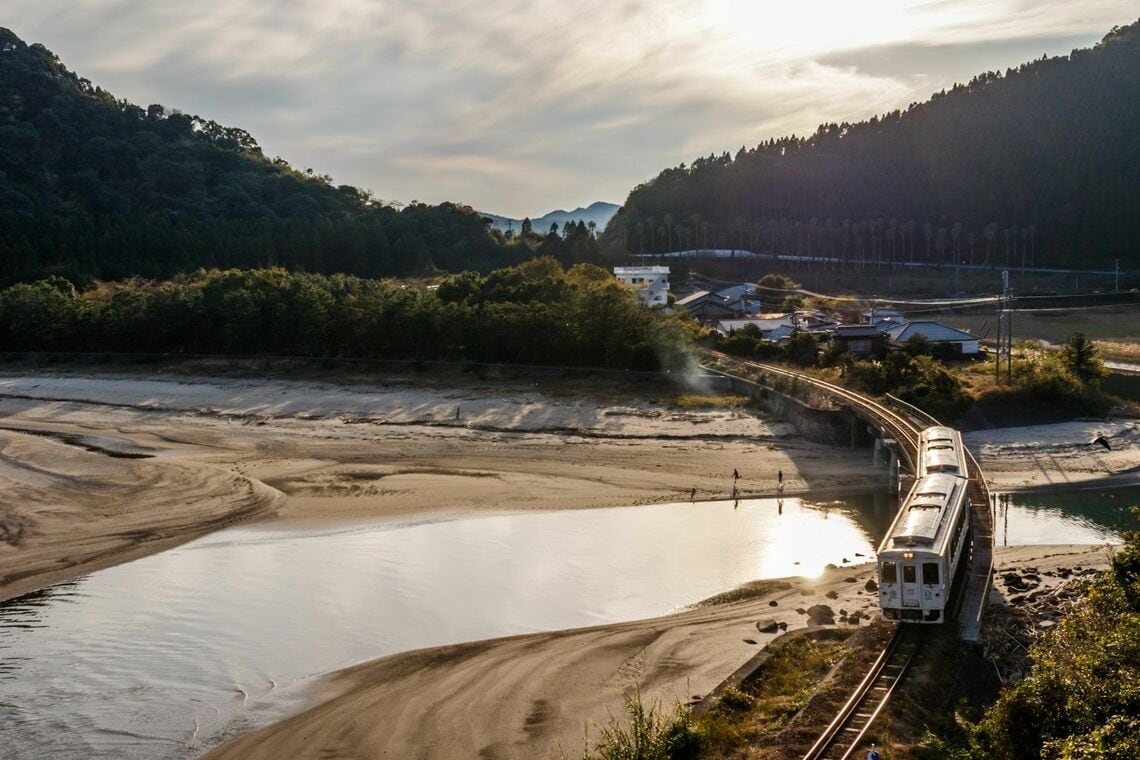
(693, 495)
(780, 477)
(735, 474)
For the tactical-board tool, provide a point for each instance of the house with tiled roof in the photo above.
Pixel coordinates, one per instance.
(937, 333)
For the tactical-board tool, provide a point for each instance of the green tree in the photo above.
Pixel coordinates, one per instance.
(802, 349)
(1081, 357)
(1082, 696)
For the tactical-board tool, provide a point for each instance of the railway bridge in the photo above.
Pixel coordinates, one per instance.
(896, 426)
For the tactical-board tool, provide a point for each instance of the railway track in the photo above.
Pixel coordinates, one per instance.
(901, 426)
(904, 422)
(843, 737)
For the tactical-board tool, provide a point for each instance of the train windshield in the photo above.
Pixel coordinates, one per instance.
(909, 574)
(890, 573)
(930, 573)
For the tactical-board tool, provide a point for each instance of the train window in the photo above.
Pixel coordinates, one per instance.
(890, 573)
(930, 573)
(909, 574)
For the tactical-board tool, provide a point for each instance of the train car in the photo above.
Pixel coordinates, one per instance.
(940, 449)
(920, 556)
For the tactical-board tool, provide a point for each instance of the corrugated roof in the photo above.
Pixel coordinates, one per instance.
(691, 298)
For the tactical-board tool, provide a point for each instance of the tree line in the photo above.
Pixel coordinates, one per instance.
(537, 313)
(96, 188)
(1033, 167)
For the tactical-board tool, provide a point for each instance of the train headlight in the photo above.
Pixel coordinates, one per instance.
(908, 555)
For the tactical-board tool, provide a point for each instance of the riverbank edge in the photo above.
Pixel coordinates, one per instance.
(350, 705)
(262, 506)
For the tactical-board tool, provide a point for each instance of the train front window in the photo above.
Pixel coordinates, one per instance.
(909, 574)
(890, 573)
(930, 573)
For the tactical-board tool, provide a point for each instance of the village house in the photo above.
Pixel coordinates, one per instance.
(938, 334)
(651, 283)
(765, 323)
(705, 306)
(860, 340)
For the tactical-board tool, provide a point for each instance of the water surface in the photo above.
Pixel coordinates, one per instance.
(1094, 516)
(169, 655)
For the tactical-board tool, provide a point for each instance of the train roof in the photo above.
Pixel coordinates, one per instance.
(924, 511)
(941, 459)
(939, 433)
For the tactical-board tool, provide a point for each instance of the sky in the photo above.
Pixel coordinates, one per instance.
(519, 107)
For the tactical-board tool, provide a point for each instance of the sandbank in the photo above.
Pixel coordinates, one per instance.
(542, 695)
(99, 469)
(1062, 456)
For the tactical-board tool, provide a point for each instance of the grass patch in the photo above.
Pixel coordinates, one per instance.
(648, 734)
(1117, 351)
(744, 716)
(693, 401)
(753, 714)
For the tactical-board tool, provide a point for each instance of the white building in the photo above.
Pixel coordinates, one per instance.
(651, 283)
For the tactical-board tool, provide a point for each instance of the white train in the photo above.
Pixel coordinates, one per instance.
(920, 556)
(940, 450)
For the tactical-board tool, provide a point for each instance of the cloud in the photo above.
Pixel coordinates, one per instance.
(519, 106)
(943, 64)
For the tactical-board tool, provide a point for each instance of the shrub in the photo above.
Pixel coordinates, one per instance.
(648, 735)
(1082, 696)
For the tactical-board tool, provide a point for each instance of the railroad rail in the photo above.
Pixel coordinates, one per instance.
(840, 740)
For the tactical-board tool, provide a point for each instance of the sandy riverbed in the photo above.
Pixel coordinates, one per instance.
(539, 696)
(223, 450)
(1062, 456)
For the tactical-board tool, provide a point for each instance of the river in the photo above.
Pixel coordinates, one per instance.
(170, 655)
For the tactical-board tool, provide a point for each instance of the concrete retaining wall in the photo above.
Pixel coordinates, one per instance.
(831, 426)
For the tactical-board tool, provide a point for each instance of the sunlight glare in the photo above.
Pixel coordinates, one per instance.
(806, 535)
(812, 27)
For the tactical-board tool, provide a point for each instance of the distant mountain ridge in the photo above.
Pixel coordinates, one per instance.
(598, 212)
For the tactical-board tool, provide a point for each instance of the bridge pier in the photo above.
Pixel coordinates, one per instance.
(886, 453)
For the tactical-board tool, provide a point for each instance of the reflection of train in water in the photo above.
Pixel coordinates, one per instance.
(922, 552)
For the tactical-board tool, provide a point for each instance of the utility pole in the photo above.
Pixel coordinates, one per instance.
(1008, 334)
(998, 337)
(1004, 331)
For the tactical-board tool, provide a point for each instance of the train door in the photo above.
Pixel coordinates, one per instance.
(910, 591)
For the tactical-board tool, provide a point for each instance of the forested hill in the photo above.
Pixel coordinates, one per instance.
(1039, 165)
(95, 187)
